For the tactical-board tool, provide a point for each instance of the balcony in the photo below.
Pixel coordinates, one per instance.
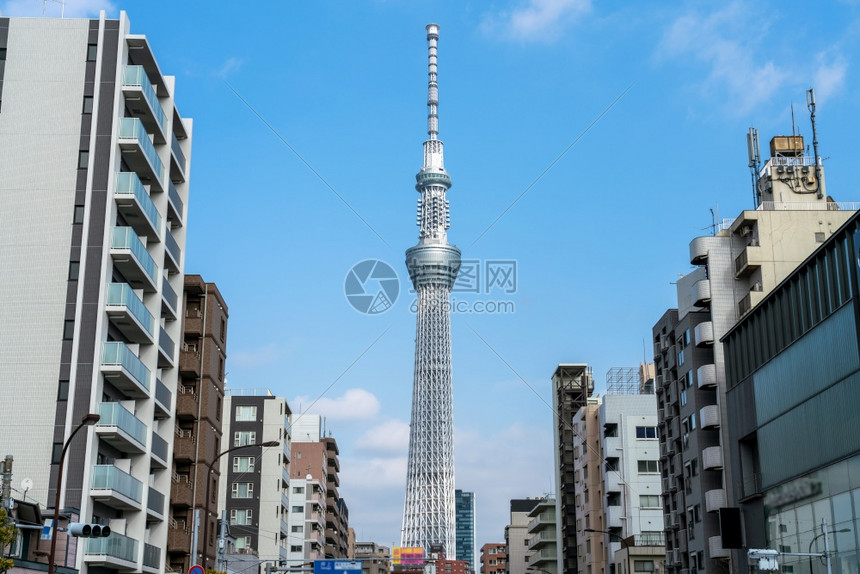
(141, 99)
(748, 261)
(706, 376)
(166, 349)
(124, 370)
(151, 558)
(187, 402)
(169, 301)
(136, 207)
(115, 551)
(163, 398)
(709, 417)
(139, 153)
(670, 521)
(128, 314)
(749, 301)
(178, 538)
(712, 458)
(133, 260)
(178, 163)
(172, 253)
(703, 334)
(181, 492)
(699, 250)
(702, 293)
(159, 451)
(285, 528)
(715, 547)
(184, 447)
(116, 488)
(175, 205)
(121, 429)
(715, 500)
(155, 505)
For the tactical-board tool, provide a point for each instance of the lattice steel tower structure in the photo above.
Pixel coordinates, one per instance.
(428, 513)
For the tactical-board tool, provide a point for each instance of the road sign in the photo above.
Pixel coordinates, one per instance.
(336, 567)
(196, 569)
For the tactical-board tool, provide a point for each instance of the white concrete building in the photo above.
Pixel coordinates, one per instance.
(94, 175)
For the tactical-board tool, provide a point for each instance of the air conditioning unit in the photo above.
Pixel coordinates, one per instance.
(746, 230)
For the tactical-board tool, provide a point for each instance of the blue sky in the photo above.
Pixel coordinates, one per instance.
(598, 240)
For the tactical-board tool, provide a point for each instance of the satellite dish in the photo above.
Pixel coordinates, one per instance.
(26, 484)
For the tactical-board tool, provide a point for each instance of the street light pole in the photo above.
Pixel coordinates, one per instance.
(824, 533)
(206, 501)
(623, 541)
(89, 419)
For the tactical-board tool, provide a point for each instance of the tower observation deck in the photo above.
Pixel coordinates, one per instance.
(429, 509)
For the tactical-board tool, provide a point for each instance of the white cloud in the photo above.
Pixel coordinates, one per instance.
(374, 474)
(352, 405)
(256, 357)
(829, 75)
(229, 66)
(538, 20)
(390, 436)
(53, 8)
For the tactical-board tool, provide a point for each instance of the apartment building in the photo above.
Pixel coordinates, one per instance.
(464, 506)
(736, 267)
(307, 515)
(494, 558)
(516, 535)
(255, 482)
(587, 477)
(542, 553)
(199, 405)
(572, 384)
(375, 558)
(92, 141)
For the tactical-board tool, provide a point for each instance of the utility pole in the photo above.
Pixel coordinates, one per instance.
(221, 550)
(6, 489)
(195, 531)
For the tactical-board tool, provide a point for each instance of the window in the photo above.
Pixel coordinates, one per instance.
(295, 548)
(243, 463)
(83, 159)
(297, 528)
(223, 329)
(220, 368)
(88, 105)
(687, 337)
(244, 438)
(646, 432)
(241, 516)
(69, 330)
(680, 357)
(79, 214)
(298, 489)
(689, 378)
(243, 490)
(683, 397)
(612, 464)
(643, 565)
(649, 466)
(2, 53)
(56, 452)
(298, 509)
(243, 542)
(63, 391)
(613, 499)
(610, 430)
(246, 413)
(92, 51)
(649, 501)
(74, 270)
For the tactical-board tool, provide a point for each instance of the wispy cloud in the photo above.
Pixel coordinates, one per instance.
(53, 8)
(389, 436)
(352, 405)
(830, 72)
(537, 20)
(256, 357)
(229, 66)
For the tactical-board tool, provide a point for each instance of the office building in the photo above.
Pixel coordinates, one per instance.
(94, 175)
(737, 266)
(542, 549)
(516, 534)
(199, 402)
(465, 505)
(572, 384)
(494, 558)
(792, 371)
(255, 482)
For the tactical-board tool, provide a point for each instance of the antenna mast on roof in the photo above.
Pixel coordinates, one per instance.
(755, 159)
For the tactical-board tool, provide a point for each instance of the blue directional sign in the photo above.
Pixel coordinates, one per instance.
(337, 567)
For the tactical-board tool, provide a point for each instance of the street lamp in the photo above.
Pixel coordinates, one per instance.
(89, 419)
(825, 533)
(208, 483)
(623, 541)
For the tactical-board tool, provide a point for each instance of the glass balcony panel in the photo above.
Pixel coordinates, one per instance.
(107, 477)
(136, 206)
(155, 502)
(159, 451)
(133, 133)
(114, 546)
(166, 349)
(125, 370)
(172, 260)
(135, 76)
(144, 272)
(151, 556)
(123, 297)
(175, 205)
(169, 300)
(178, 155)
(163, 398)
(132, 428)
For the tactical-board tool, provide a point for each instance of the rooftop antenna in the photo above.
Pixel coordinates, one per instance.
(793, 133)
(713, 222)
(755, 160)
(810, 103)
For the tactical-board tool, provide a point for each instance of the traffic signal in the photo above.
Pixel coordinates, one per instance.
(83, 530)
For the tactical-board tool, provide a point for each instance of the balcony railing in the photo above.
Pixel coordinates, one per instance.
(151, 556)
(177, 153)
(170, 298)
(122, 295)
(115, 546)
(159, 447)
(808, 206)
(133, 129)
(115, 415)
(109, 477)
(117, 354)
(126, 238)
(163, 398)
(166, 347)
(155, 502)
(136, 76)
(129, 187)
(175, 205)
(172, 261)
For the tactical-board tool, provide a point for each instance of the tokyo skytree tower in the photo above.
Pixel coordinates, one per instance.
(428, 513)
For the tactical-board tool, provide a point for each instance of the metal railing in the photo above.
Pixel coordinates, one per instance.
(122, 295)
(808, 206)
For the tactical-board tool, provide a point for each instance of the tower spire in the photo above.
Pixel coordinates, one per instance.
(432, 86)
